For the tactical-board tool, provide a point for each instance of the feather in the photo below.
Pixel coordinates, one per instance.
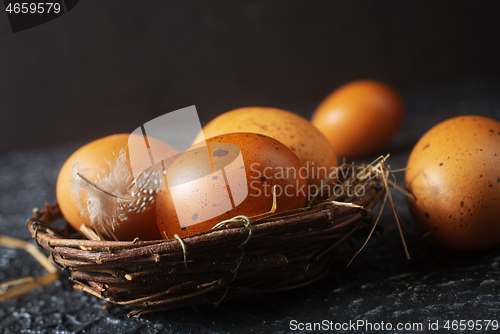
(115, 193)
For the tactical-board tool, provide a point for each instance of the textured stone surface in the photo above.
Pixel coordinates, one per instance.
(380, 285)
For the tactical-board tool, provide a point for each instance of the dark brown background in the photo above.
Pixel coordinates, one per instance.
(109, 66)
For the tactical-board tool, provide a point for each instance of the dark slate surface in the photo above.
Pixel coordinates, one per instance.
(380, 285)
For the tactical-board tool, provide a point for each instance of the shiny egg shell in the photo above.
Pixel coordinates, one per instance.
(359, 118)
(232, 175)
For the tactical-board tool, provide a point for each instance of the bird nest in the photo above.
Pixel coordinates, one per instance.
(237, 259)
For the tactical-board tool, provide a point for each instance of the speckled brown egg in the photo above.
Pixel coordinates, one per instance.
(454, 174)
(297, 133)
(233, 174)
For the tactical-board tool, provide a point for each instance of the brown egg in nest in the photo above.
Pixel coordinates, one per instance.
(297, 133)
(454, 174)
(233, 174)
(105, 172)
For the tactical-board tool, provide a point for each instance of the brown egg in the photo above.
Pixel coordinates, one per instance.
(232, 175)
(454, 173)
(312, 148)
(94, 161)
(359, 118)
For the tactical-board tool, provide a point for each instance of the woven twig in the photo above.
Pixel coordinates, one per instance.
(270, 255)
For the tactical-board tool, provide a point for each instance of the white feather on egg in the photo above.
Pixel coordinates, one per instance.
(106, 198)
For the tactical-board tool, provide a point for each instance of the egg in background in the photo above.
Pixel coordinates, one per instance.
(232, 175)
(454, 173)
(297, 133)
(93, 159)
(360, 118)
